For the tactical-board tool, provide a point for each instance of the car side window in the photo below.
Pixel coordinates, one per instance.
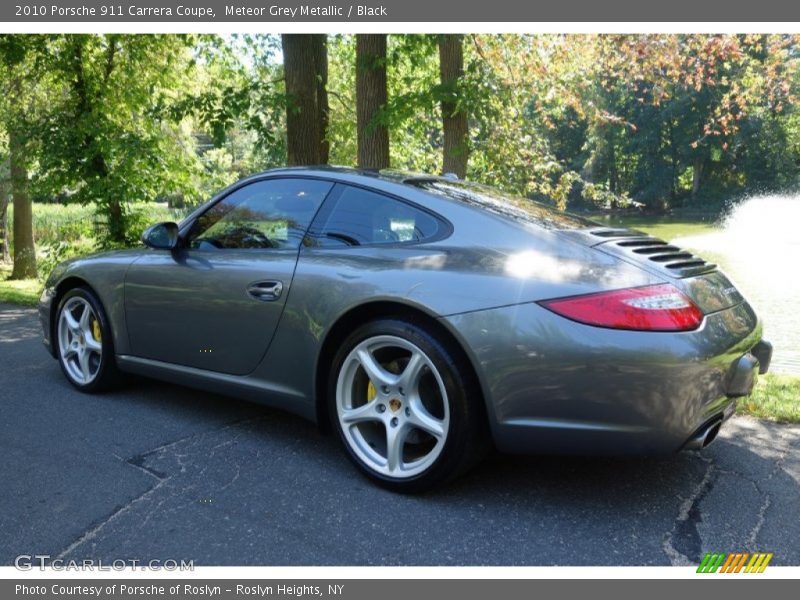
(362, 217)
(272, 213)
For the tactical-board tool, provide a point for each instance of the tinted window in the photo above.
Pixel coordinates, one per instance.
(506, 205)
(274, 213)
(362, 217)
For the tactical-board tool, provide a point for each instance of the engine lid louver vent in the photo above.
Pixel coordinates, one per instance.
(611, 233)
(658, 253)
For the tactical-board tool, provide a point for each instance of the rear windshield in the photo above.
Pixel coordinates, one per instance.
(520, 209)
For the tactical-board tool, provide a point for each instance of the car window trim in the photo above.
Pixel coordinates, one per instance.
(320, 221)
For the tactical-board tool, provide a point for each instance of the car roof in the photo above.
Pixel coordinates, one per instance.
(355, 173)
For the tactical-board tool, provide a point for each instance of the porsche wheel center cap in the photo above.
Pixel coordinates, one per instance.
(395, 404)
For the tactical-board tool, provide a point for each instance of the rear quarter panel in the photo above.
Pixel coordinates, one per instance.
(559, 386)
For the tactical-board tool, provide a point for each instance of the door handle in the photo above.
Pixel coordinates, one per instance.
(265, 291)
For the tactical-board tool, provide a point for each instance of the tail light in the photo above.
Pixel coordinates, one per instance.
(650, 308)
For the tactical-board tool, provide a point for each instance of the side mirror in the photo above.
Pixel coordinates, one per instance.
(161, 236)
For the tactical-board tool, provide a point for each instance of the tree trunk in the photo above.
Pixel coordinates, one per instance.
(302, 119)
(4, 255)
(117, 227)
(454, 118)
(116, 221)
(24, 249)
(4, 195)
(96, 166)
(673, 155)
(371, 97)
(613, 175)
(321, 67)
(697, 174)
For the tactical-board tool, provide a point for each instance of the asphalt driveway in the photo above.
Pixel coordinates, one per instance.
(155, 471)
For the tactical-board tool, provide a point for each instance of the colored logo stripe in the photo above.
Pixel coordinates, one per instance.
(711, 562)
(758, 563)
(733, 562)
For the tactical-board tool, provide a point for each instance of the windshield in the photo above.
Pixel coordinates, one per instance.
(520, 209)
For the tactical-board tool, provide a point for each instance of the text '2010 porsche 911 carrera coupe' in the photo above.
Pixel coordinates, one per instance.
(422, 318)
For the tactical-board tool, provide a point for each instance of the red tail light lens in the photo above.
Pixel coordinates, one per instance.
(650, 308)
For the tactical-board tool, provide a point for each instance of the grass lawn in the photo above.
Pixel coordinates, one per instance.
(24, 291)
(776, 398)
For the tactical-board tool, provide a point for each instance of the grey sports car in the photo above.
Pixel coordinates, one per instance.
(422, 318)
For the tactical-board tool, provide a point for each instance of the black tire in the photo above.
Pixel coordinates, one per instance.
(466, 440)
(107, 375)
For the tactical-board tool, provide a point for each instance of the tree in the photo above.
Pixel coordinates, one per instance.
(18, 100)
(96, 136)
(5, 194)
(301, 61)
(695, 111)
(24, 248)
(454, 114)
(371, 98)
(320, 43)
(237, 103)
(105, 136)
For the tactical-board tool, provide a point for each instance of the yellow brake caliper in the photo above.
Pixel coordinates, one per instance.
(96, 330)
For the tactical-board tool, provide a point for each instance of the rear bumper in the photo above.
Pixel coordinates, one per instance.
(553, 385)
(763, 353)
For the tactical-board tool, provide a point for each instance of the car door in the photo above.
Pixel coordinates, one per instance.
(214, 302)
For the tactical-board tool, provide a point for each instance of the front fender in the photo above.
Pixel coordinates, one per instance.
(104, 273)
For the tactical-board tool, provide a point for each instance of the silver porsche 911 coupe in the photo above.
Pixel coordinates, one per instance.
(422, 318)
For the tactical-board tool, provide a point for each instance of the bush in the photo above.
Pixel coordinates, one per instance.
(62, 231)
(48, 254)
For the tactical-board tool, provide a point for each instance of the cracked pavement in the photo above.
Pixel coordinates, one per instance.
(155, 471)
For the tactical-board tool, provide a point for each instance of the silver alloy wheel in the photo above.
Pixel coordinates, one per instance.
(392, 406)
(80, 344)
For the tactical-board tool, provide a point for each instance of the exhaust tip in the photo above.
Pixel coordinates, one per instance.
(711, 434)
(704, 436)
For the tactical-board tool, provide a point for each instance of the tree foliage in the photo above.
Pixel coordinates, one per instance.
(116, 120)
(107, 142)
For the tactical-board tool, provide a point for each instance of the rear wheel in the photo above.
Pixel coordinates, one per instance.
(83, 335)
(404, 407)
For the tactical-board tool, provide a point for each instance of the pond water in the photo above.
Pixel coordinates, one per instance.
(758, 247)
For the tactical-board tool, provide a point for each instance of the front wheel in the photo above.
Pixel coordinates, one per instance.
(83, 335)
(405, 406)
